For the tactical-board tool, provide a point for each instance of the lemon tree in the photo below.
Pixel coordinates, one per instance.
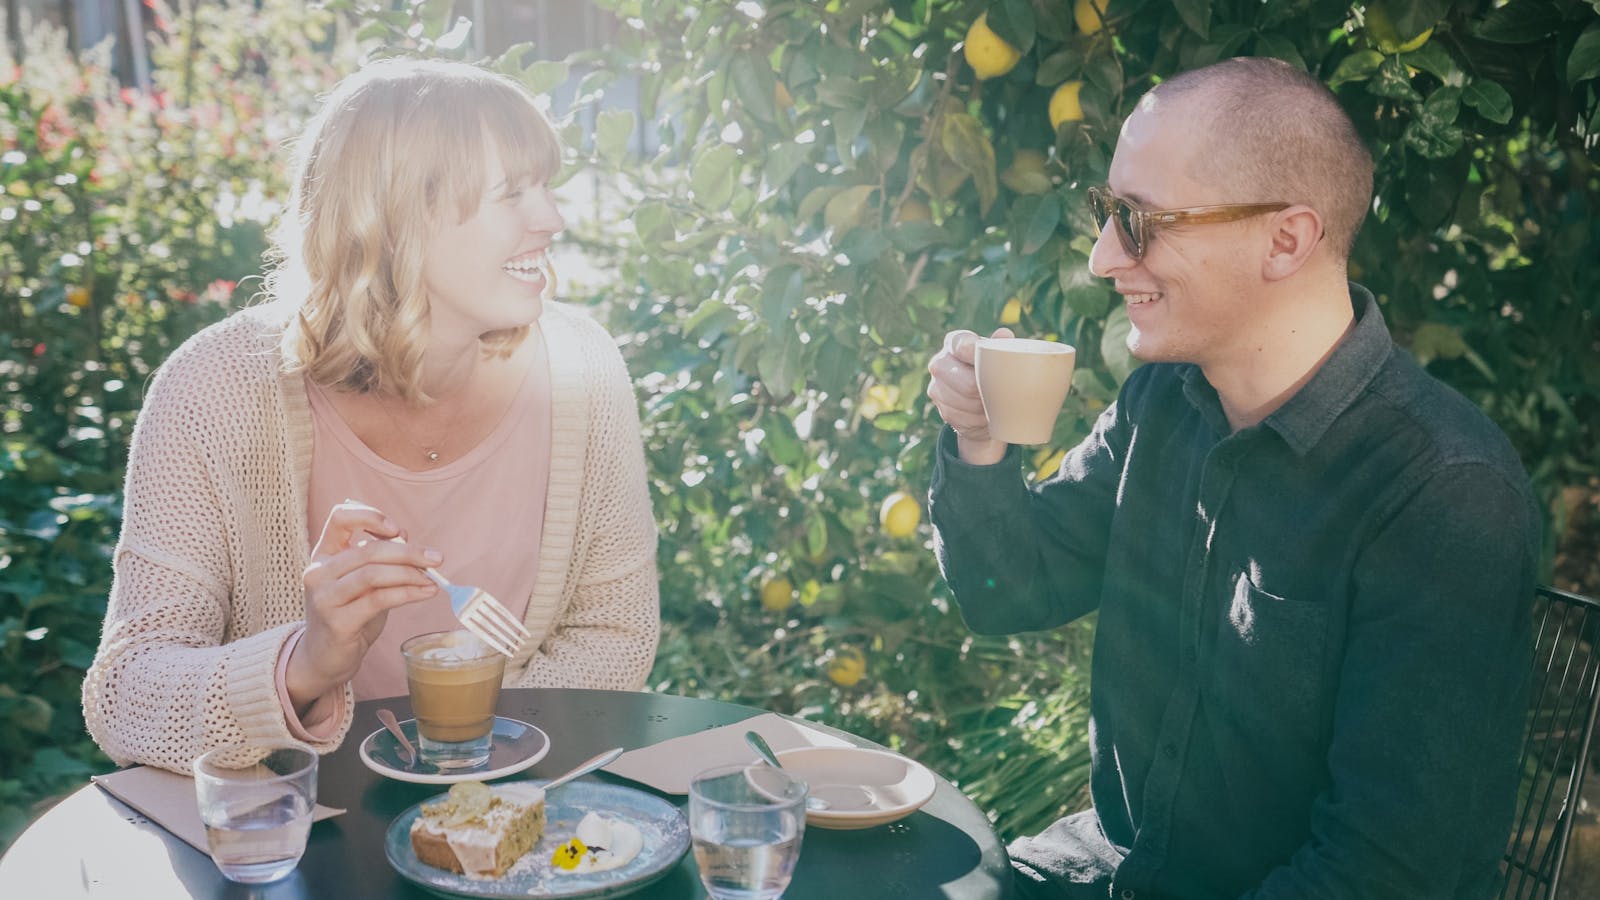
(788, 270)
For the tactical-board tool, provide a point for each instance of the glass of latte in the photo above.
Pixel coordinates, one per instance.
(454, 680)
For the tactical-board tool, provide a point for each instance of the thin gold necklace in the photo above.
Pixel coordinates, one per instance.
(429, 449)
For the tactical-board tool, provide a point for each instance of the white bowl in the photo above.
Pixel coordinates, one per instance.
(863, 788)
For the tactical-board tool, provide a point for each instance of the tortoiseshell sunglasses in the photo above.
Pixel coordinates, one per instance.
(1135, 227)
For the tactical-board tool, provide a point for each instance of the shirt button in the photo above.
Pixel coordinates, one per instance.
(1128, 894)
(1169, 750)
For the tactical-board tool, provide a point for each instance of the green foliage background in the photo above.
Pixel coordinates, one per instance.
(804, 199)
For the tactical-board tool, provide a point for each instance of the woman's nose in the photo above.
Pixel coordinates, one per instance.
(542, 214)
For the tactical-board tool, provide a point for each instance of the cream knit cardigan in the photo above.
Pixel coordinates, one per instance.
(207, 572)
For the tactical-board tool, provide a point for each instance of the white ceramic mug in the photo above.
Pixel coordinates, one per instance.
(1023, 384)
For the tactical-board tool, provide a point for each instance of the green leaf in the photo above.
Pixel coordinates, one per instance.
(611, 133)
(1436, 61)
(1442, 107)
(755, 84)
(1393, 81)
(544, 76)
(815, 202)
(781, 292)
(1013, 21)
(1084, 294)
(1520, 22)
(1038, 215)
(1196, 14)
(1413, 17)
(1489, 99)
(780, 362)
(783, 160)
(1358, 66)
(847, 125)
(963, 140)
(1058, 67)
(652, 220)
(712, 176)
(1280, 47)
(848, 208)
(1114, 344)
(1583, 62)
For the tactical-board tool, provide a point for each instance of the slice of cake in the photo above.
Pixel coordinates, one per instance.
(478, 830)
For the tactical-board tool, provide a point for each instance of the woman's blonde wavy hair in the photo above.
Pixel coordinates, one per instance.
(396, 148)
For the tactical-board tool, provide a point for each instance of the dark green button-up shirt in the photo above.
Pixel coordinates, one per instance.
(1313, 635)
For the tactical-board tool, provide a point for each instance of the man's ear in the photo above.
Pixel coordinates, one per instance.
(1295, 234)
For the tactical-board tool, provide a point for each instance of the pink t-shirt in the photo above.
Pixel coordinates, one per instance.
(484, 512)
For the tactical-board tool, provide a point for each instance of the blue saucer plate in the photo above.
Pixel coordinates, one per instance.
(665, 832)
(517, 745)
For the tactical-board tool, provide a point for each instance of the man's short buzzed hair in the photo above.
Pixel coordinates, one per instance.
(1274, 133)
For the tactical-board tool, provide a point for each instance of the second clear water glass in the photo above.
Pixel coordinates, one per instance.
(746, 823)
(256, 803)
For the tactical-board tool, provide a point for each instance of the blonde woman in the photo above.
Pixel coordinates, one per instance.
(410, 356)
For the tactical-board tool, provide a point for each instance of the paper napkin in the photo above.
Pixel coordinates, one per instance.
(670, 765)
(167, 799)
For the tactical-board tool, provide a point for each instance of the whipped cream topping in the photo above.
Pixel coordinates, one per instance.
(457, 646)
(610, 843)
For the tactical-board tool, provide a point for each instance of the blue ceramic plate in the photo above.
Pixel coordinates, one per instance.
(517, 745)
(665, 832)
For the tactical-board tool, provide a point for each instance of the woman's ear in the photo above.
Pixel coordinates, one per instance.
(1295, 234)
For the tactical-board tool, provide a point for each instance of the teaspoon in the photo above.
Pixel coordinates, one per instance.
(762, 747)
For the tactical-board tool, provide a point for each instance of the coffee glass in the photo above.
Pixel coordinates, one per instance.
(454, 679)
(256, 803)
(1023, 383)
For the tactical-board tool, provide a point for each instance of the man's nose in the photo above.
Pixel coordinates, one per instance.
(1108, 257)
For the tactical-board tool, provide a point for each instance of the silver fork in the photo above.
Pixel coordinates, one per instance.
(480, 613)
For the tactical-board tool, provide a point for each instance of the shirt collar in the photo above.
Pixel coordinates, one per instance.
(1304, 418)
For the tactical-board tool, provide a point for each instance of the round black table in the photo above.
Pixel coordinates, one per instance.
(92, 846)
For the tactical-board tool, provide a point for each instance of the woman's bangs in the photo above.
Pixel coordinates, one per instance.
(527, 145)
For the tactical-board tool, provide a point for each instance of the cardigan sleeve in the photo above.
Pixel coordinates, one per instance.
(611, 619)
(170, 679)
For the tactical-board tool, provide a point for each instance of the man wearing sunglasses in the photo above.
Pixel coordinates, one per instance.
(1312, 563)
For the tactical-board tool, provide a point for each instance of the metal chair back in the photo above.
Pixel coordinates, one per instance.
(1565, 695)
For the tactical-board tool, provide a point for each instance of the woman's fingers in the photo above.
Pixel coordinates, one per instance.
(346, 521)
(377, 554)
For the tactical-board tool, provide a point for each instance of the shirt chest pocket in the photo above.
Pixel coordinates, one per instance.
(1269, 660)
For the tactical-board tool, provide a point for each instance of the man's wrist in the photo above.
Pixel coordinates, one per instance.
(980, 453)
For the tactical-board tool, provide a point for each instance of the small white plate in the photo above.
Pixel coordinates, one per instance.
(517, 745)
(863, 788)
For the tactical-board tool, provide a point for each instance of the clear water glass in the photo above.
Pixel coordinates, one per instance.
(746, 823)
(256, 803)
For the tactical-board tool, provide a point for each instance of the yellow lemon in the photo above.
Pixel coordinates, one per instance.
(1090, 15)
(777, 595)
(899, 514)
(987, 53)
(78, 296)
(1064, 106)
(1380, 25)
(1051, 464)
(1011, 313)
(847, 667)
